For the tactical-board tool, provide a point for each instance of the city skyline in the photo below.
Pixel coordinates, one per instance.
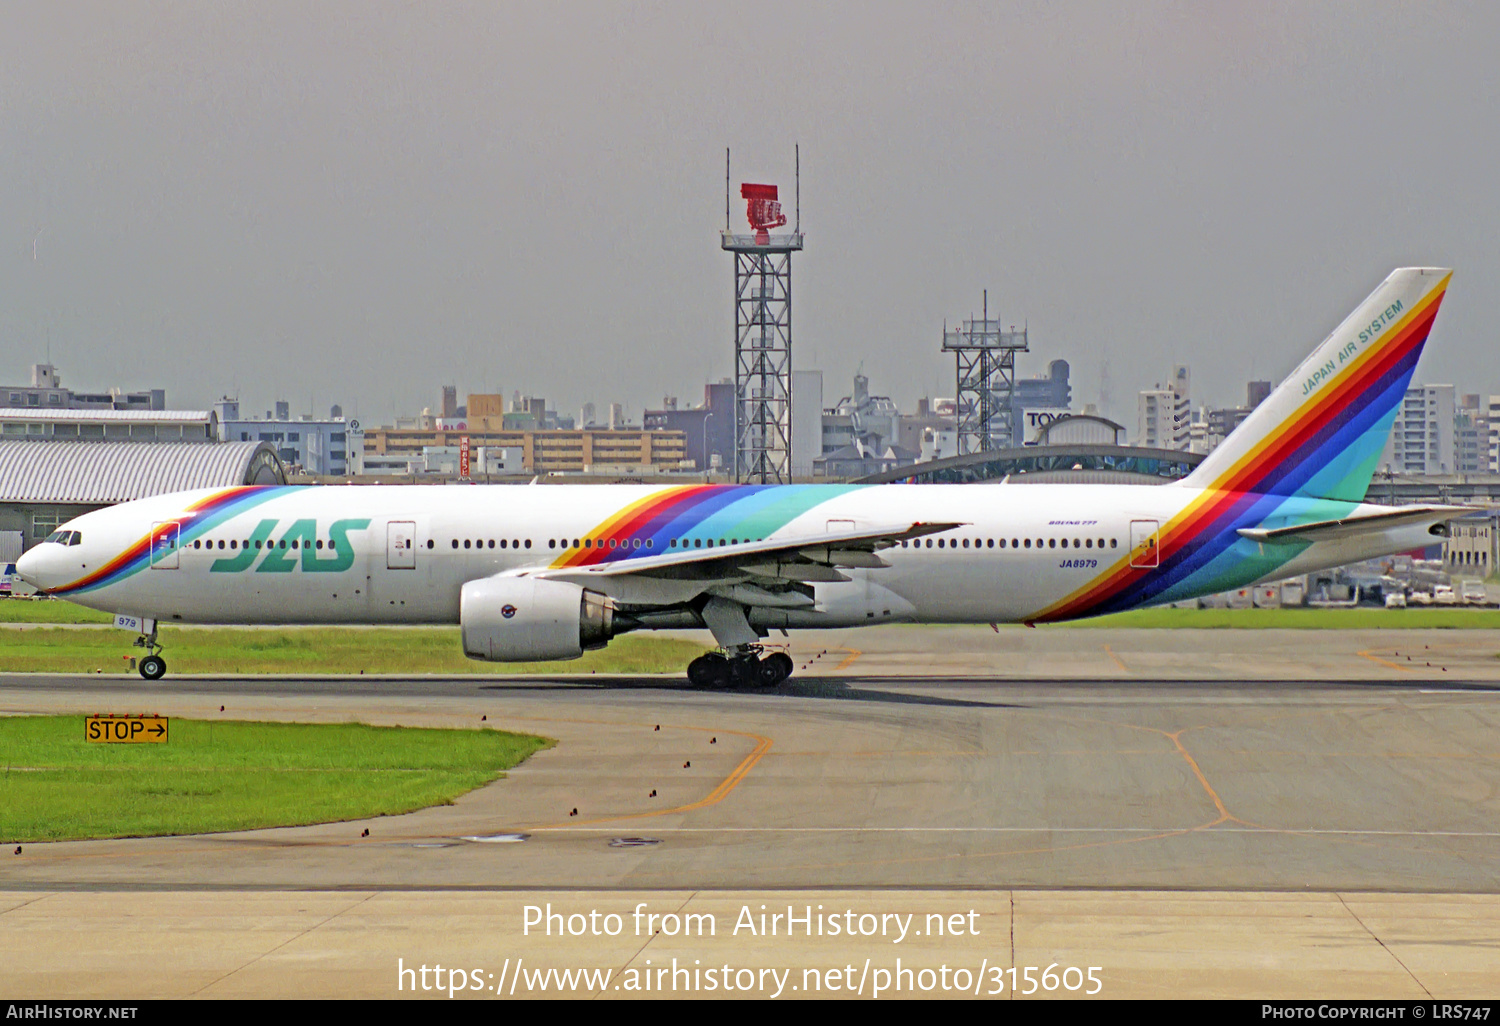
(278, 202)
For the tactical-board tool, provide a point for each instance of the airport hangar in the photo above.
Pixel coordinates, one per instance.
(44, 484)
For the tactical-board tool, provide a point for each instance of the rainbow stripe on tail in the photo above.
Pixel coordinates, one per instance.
(1321, 433)
(1306, 454)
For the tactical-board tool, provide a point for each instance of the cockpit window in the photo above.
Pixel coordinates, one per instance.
(55, 536)
(62, 537)
(77, 538)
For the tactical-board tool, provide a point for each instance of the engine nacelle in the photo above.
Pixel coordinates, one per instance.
(525, 619)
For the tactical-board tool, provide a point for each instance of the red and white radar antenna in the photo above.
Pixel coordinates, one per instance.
(762, 209)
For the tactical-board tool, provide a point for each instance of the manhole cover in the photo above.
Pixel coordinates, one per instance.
(497, 838)
(633, 842)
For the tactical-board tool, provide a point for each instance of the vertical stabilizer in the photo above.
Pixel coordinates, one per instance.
(1321, 432)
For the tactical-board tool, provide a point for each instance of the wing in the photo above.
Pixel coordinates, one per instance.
(1349, 527)
(773, 572)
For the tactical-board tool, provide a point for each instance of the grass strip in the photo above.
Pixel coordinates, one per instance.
(22, 610)
(1421, 618)
(214, 775)
(412, 650)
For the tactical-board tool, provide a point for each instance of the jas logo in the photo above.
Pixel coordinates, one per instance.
(299, 547)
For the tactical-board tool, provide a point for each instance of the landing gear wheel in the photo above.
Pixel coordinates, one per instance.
(775, 668)
(744, 671)
(707, 671)
(153, 667)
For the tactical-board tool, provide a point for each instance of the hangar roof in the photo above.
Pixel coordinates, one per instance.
(89, 416)
(99, 473)
(1060, 464)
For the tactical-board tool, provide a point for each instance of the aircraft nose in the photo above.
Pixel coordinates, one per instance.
(29, 567)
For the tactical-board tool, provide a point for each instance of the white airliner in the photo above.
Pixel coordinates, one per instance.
(535, 573)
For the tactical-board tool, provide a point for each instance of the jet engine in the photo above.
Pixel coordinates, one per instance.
(522, 619)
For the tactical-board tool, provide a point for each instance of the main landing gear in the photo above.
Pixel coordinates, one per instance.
(740, 667)
(152, 665)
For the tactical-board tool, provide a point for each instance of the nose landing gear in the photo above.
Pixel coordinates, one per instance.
(152, 666)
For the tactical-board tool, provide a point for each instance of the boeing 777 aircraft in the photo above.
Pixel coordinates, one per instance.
(545, 573)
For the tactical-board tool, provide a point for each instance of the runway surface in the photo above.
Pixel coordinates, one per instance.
(952, 765)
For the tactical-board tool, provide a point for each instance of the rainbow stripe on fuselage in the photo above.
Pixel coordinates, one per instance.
(709, 514)
(196, 519)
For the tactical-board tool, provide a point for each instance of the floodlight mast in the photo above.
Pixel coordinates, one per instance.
(985, 354)
(762, 333)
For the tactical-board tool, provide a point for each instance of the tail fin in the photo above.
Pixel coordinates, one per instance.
(1321, 432)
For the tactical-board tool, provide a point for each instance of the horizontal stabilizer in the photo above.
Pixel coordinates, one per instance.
(1350, 527)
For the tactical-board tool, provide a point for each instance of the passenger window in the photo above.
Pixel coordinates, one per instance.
(672, 543)
(232, 543)
(1002, 543)
(992, 542)
(429, 543)
(1088, 543)
(528, 543)
(1114, 543)
(1028, 543)
(466, 543)
(551, 543)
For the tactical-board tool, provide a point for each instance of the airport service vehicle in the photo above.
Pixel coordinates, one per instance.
(1395, 600)
(1475, 593)
(543, 573)
(1443, 595)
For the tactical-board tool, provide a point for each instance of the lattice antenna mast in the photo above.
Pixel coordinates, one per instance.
(762, 332)
(985, 354)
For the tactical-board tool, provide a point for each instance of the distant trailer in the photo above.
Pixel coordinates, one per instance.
(11, 543)
(1267, 596)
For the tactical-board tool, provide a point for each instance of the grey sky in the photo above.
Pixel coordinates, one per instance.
(358, 202)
